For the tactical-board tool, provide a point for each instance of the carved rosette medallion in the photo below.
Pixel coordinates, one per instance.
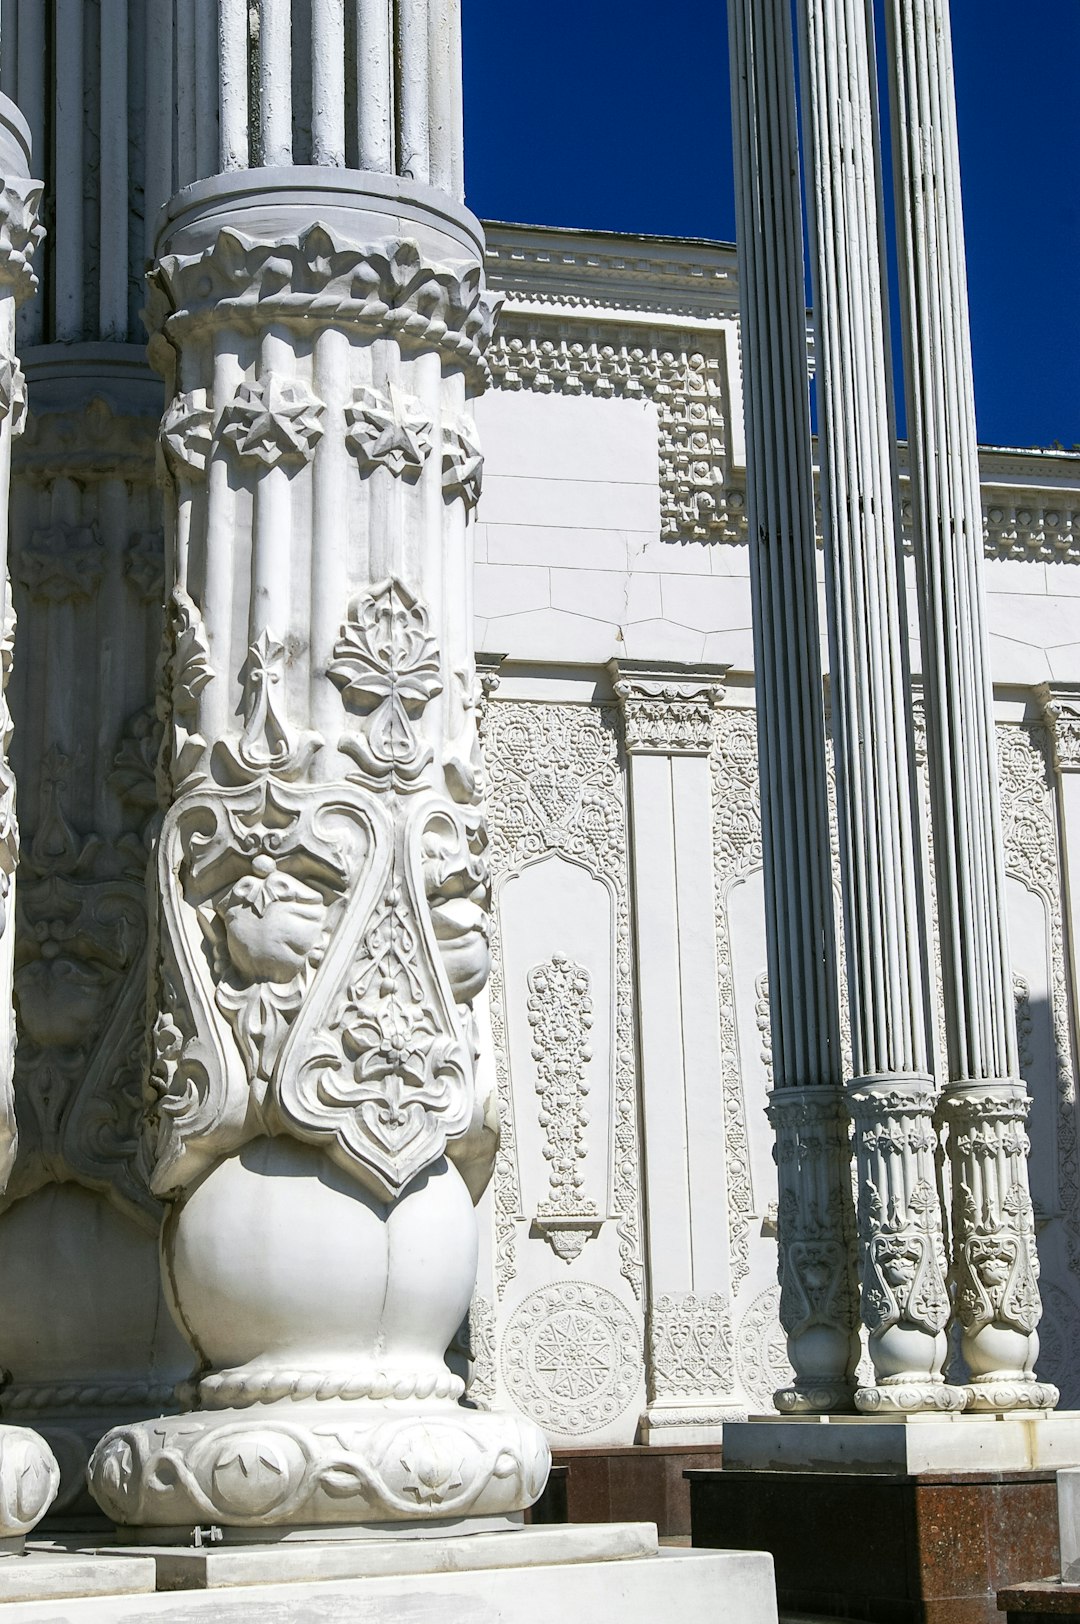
(571, 1358)
(761, 1357)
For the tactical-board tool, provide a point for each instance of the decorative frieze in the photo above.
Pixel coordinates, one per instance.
(699, 497)
(690, 1348)
(391, 289)
(664, 714)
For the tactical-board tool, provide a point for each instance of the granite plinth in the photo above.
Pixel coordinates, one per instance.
(1018, 1442)
(631, 1483)
(1041, 1602)
(694, 1585)
(885, 1548)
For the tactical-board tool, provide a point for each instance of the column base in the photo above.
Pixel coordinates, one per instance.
(29, 1479)
(995, 1394)
(826, 1398)
(310, 1465)
(907, 1398)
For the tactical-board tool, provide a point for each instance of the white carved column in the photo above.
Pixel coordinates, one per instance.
(668, 731)
(807, 1106)
(321, 907)
(905, 1298)
(985, 1104)
(87, 1338)
(29, 1475)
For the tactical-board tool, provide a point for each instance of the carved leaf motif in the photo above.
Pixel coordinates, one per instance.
(13, 395)
(63, 563)
(462, 461)
(187, 433)
(560, 1014)
(275, 420)
(376, 1061)
(389, 431)
(387, 667)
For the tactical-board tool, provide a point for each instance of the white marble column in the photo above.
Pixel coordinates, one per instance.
(668, 733)
(905, 1298)
(87, 1339)
(985, 1104)
(807, 1107)
(29, 1475)
(319, 1134)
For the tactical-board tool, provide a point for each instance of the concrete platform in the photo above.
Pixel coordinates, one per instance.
(51, 1576)
(1019, 1442)
(696, 1587)
(213, 1567)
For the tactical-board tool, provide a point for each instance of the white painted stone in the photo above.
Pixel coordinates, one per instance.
(571, 504)
(621, 599)
(530, 545)
(561, 438)
(695, 1583)
(501, 591)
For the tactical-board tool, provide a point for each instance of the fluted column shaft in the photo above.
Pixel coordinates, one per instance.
(905, 1301)
(806, 1106)
(985, 1104)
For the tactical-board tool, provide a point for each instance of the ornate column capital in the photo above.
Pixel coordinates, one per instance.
(1060, 704)
(667, 711)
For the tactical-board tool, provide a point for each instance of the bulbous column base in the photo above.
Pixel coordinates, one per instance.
(907, 1397)
(29, 1479)
(307, 1465)
(1007, 1392)
(820, 1398)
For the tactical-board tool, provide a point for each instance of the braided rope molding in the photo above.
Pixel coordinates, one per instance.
(81, 1395)
(236, 1390)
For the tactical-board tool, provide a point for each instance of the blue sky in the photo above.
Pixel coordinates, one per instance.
(613, 114)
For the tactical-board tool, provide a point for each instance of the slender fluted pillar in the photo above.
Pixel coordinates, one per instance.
(29, 1475)
(985, 1104)
(807, 1108)
(319, 1134)
(905, 1298)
